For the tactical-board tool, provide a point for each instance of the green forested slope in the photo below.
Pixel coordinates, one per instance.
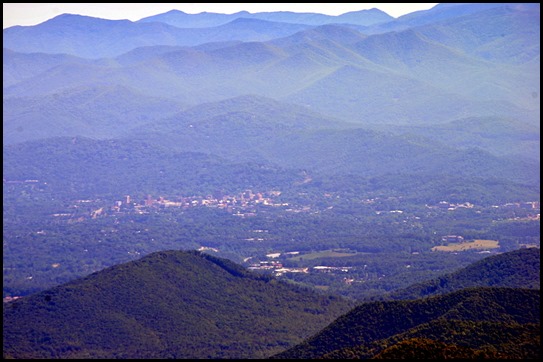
(515, 269)
(169, 304)
(500, 322)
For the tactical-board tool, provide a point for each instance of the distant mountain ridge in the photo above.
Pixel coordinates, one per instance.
(498, 135)
(286, 138)
(440, 12)
(98, 112)
(79, 165)
(478, 62)
(169, 304)
(207, 19)
(425, 74)
(97, 38)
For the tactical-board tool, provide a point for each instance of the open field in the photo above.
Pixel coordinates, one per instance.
(476, 244)
(322, 254)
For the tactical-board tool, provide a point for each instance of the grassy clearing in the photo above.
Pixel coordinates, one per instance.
(476, 244)
(322, 254)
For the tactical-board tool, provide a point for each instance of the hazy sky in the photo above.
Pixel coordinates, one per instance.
(35, 13)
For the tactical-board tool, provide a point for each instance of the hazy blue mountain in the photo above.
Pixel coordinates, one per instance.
(505, 34)
(141, 54)
(181, 19)
(364, 17)
(260, 129)
(93, 38)
(87, 37)
(76, 165)
(405, 77)
(252, 30)
(411, 53)
(169, 304)
(20, 66)
(96, 112)
(205, 19)
(265, 112)
(376, 154)
(487, 322)
(498, 135)
(251, 128)
(367, 96)
(240, 128)
(509, 38)
(438, 13)
(318, 35)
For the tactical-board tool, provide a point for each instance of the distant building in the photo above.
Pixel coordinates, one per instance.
(149, 201)
(453, 239)
(530, 205)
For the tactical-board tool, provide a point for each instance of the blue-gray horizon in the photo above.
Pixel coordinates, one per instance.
(28, 14)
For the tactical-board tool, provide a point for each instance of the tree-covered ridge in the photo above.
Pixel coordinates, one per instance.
(214, 155)
(479, 318)
(168, 304)
(453, 339)
(74, 167)
(515, 269)
(499, 136)
(496, 341)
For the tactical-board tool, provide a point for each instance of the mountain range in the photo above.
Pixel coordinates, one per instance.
(424, 74)
(176, 304)
(206, 19)
(259, 135)
(334, 152)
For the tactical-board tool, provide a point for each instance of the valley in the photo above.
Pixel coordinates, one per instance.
(321, 239)
(273, 185)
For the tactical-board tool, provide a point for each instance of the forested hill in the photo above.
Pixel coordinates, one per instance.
(489, 323)
(170, 304)
(516, 269)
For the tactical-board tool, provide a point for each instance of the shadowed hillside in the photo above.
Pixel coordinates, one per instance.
(491, 322)
(515, 269)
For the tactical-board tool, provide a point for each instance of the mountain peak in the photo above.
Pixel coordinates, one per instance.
(74, 19)
(168, 304)
(175, 11)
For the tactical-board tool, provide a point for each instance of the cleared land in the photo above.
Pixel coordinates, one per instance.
(323, 254)
(476, 244)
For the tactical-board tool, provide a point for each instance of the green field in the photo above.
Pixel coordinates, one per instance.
(322, 254)
(476, 244)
